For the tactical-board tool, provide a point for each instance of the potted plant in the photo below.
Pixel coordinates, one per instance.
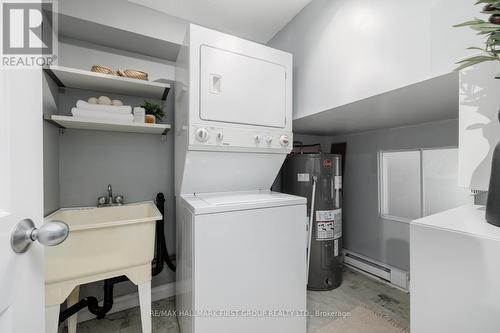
(154, 110)
(489, 52)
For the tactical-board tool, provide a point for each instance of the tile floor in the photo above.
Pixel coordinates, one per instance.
(367, 304)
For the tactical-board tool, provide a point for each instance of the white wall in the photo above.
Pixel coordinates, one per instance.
(479, 124)
(127, 16)
(348, 50)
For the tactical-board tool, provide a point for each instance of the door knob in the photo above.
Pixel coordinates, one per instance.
(49, 234)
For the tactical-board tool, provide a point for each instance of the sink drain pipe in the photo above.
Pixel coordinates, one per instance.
(161, 256)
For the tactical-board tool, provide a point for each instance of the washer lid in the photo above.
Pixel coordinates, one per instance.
(205, 203)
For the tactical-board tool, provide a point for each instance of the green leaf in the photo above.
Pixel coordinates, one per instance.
(484, 33)
(476, 48)
(473, 61)
(468, 23)
(495, 4)
(479, 57)
(492, 12)
(485, 1)
(486, 27)
(484, 30)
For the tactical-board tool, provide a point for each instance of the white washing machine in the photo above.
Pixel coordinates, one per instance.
(239, 263)
(241, 249)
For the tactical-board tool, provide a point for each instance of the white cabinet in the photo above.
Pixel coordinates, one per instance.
(455, 267)
(479, 126)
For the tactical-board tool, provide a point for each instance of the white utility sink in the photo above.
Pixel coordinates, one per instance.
(102, 243)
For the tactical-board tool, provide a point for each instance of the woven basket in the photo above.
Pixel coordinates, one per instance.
(134, 74)
(102, 70)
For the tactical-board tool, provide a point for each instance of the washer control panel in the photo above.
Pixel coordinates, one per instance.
(234, 138)
(202, 134)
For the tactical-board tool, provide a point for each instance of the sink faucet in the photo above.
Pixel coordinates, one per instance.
(109, 200)
(110, 194)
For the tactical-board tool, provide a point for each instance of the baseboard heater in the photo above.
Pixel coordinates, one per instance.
(388, 273)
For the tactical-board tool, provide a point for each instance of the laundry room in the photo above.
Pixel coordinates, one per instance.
(306, 166)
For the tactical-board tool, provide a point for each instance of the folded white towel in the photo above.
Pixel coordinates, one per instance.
(93, 114)
(123, 109)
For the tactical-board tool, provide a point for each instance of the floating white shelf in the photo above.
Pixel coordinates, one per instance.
(106, 125)
(80, 79)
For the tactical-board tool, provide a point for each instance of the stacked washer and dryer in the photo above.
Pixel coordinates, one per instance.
(241, 249)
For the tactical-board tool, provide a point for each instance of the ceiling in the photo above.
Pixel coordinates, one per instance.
(257, 20)
(427, 101)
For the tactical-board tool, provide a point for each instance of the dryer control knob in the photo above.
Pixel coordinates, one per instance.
(202, 134)
(257, 138)
(220, 136)
(284, 140)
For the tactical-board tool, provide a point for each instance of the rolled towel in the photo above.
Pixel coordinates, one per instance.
(93, 114)
(123, 109)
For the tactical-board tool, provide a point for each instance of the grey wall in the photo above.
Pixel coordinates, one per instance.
(325, 141)
(50, 149)
(364, 231)
(135, 164)
(79, 163)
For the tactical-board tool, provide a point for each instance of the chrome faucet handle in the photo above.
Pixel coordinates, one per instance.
(119, 200)
(101, 201)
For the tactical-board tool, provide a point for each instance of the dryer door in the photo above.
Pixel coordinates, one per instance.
(235, 88)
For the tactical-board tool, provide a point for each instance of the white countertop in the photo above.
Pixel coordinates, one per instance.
(468, 219)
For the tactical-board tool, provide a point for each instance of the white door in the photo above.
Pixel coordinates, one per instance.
(240, 89)
(21, 197)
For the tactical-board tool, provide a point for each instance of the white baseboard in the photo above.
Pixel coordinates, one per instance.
(392, 275)
(129, 301)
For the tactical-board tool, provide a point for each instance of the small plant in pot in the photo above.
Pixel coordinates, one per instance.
(490, 52)
(154, 112)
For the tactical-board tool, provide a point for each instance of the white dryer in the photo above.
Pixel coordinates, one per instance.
(233, 113)
(241, 249)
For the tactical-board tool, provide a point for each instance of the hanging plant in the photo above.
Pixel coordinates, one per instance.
(490, 30)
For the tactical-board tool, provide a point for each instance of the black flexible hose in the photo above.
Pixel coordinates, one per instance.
(161, 246)
(160, 236)
(168, 261)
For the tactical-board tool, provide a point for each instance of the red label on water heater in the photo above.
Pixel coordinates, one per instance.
(327, 163)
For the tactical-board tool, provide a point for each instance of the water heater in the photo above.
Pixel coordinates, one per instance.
(299, 172)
